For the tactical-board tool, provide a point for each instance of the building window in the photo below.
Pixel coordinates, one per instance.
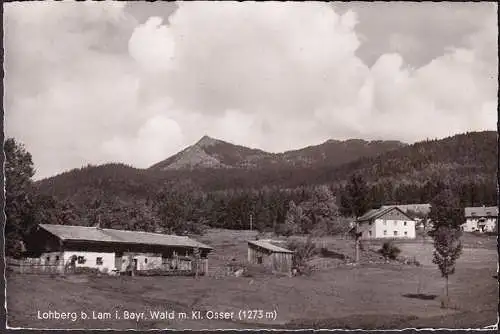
(385, 232)
(370, 233)
(395, 232)
(145, 260)
(98, 261)
(404, 223)
(406, 233)
(48, 258)
(57, 257)
(259, 260)
(81, 260)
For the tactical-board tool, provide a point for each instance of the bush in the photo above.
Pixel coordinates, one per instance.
(283, 229)
(389, 250)
(303, 251)
(305, 270)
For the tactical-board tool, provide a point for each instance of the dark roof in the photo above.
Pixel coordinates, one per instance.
(84, 233)
(269, 246)
(420, 207)
(375, 213)
(481, 211)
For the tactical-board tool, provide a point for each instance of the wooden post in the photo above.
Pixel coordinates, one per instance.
(356, 242)
(196, 253)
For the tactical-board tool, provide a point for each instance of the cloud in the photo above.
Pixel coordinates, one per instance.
(419, 32)
(155, 139)
(99, 82)
(152, 45)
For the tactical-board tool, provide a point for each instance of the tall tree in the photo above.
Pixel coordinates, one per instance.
(355, 202)
(294, 220)
(18, 188)
(446, 210)
(324, 213)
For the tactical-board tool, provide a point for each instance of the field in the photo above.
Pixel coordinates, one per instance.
(367, 296)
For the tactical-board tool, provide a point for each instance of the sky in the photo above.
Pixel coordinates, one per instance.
(135, 82)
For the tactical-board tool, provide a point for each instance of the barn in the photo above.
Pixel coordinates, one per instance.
(274, 257)
(117, 250)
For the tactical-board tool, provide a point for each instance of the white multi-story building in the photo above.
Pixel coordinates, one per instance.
(386, 222)
(481, 219)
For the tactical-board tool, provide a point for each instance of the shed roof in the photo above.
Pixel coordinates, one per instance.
(269, 246)
(85, 233)
(481, 211)
(375, 213)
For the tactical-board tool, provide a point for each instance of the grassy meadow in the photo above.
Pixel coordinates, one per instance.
(367, 296)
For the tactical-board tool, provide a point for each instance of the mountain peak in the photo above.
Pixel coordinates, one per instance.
(209, 152)
(206, 141)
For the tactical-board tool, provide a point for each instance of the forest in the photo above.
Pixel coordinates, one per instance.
(300, 200)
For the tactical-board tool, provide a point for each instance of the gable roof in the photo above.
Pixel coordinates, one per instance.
(85, 233)
(375, 213)
(481, 211)
(269, 246)
(418, 207)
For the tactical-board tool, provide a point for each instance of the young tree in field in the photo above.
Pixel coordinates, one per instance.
(447, 216)
(447, 249)
(355, 202)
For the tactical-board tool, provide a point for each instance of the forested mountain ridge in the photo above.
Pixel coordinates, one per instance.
(468, 157)
(214, 153)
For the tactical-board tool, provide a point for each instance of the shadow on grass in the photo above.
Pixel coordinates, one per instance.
(421, 296)
(332, 254)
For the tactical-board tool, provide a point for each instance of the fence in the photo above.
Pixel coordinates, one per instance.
(39, 266)
(33, 266)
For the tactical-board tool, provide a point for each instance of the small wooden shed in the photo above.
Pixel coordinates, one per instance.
(263, 252)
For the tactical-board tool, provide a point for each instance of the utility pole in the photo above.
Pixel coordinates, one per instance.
(251, 221)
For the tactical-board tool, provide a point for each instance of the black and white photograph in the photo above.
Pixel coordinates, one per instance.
(218, 165)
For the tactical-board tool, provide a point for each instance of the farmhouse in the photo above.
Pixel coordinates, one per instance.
(110, 249)
(386, 222)
(274, 257)
(482, 219)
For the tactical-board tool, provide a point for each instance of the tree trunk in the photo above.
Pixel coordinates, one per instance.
(447, 288)
(356, 244)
